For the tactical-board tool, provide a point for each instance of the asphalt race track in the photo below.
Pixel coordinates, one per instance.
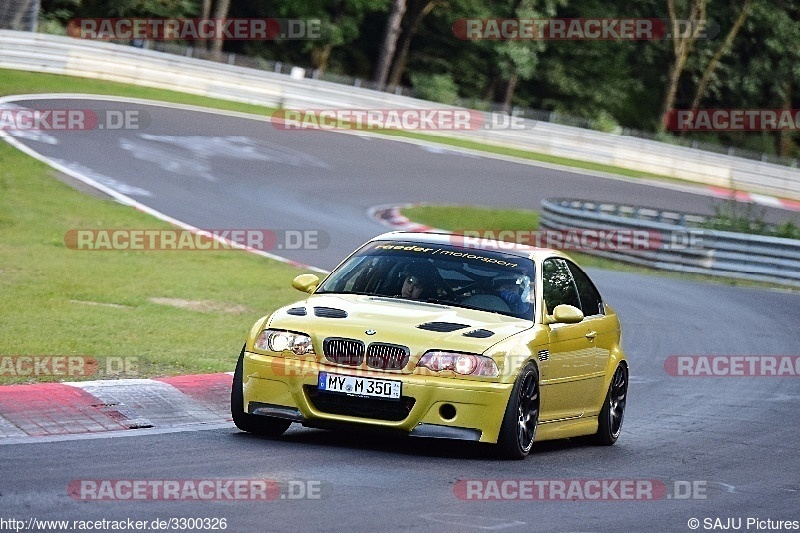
(732, 439)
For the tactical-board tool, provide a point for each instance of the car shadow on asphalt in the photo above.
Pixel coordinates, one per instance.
(393, 443)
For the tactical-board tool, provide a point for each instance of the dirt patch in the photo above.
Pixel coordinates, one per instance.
(88, 302)
(203, 306)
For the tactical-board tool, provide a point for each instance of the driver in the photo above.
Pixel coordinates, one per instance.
(418, 282)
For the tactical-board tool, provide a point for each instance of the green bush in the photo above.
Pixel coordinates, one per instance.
(436, 88)
(605, 121)
(746, 217)
(788, 230)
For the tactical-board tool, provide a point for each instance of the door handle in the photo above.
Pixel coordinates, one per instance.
(591, 334)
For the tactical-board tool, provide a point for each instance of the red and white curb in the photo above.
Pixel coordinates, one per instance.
(391, 217)
(761, 199)
(89, 407)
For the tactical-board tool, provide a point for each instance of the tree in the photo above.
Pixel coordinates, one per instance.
(389, 42)
(417, 10)
(341, 23)
(682, 46)
(723, 49)
(220, 13)
(770, 75)
(145, 8)
(518, 59)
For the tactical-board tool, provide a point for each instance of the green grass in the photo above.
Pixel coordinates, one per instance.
(21, 82)
(47, 290)
(50, 293)
(458, 217)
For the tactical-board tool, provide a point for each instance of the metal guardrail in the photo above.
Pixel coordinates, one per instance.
(127, 64)
(676, 242)
(555, 117)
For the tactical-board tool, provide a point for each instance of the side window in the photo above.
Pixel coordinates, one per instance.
(591, 302)
(558, 285)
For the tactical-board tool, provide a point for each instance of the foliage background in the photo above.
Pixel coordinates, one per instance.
(751, 64)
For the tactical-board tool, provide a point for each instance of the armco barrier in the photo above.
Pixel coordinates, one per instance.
(100, 60)
(684, 246)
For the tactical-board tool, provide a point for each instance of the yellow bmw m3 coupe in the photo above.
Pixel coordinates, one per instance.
(434, 335)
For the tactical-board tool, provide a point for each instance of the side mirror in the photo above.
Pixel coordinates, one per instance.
(307, 283)
(566, 314)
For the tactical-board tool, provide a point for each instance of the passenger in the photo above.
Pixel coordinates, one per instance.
(515, 292)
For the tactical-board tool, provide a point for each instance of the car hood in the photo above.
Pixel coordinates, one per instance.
(418, 325)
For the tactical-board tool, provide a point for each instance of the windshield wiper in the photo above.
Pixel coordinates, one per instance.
(440, 302)
(348, 292)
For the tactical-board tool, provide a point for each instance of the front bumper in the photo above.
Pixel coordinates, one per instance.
(431, 406)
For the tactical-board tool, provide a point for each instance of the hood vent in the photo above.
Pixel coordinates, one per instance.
(442, 327)
(329, 312)
(479, 333)
(296, 311)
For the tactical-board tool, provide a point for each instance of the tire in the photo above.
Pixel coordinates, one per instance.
(521, 417)
(255, 424)
(613, 411)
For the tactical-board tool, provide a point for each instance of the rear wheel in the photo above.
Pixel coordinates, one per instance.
(522, 416)
(613, 411)
(256, 424)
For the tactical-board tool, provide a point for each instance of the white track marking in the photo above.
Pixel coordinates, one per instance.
(690, 188)
(123, 198)
(116, 434)
(108, 181)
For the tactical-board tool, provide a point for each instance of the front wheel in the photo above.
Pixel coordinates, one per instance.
(256, 424)
(613, 411)
(521, 417)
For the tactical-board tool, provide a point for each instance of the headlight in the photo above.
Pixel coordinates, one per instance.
(279, 341)
(466, 364)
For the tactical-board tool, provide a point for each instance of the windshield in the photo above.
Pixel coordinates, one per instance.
(476, 279)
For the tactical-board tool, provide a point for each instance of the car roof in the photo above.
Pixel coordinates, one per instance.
(451, 239)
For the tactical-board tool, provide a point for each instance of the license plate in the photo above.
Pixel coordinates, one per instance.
(357, 386)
